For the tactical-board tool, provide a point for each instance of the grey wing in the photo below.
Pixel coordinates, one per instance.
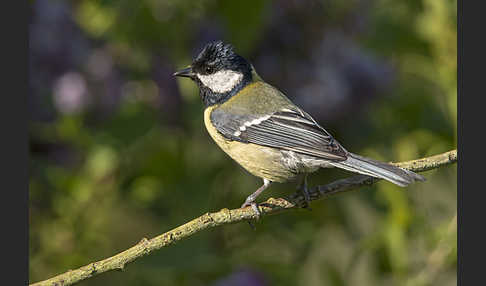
(287, 129)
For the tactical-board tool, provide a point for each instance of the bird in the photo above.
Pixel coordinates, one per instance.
(261, 129)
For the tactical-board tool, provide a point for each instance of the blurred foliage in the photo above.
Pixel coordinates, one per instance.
(119, 151)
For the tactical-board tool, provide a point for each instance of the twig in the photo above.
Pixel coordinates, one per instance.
(226, 216)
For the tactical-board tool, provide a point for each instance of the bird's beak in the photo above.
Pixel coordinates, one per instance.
(187, 72)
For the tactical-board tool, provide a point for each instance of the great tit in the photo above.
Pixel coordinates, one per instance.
(262, 130)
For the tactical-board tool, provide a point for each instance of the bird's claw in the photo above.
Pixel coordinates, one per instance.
(305, 192)
(254, 207)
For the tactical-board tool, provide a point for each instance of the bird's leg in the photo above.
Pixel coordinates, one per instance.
(250, 200)
(303, 187)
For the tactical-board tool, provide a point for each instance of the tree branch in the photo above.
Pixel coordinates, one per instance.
(226, 216)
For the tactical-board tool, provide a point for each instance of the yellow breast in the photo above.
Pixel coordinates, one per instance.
(261, 161)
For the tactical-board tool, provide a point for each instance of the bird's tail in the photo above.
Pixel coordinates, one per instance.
(366, 166)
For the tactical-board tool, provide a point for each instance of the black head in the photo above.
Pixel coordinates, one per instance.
(219, 72)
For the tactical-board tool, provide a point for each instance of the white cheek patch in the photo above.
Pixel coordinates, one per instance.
(221, 81)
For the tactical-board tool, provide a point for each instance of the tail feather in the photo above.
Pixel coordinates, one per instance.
(373, 168)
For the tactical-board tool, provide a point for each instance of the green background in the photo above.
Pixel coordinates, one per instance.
(119, 151)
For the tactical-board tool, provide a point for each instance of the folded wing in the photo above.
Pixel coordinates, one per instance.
(287, 129)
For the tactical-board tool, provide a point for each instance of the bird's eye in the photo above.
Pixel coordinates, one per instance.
(209, 69)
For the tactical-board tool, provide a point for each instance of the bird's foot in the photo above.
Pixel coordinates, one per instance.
(250, 200)
(306, 193)
(254, 206)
